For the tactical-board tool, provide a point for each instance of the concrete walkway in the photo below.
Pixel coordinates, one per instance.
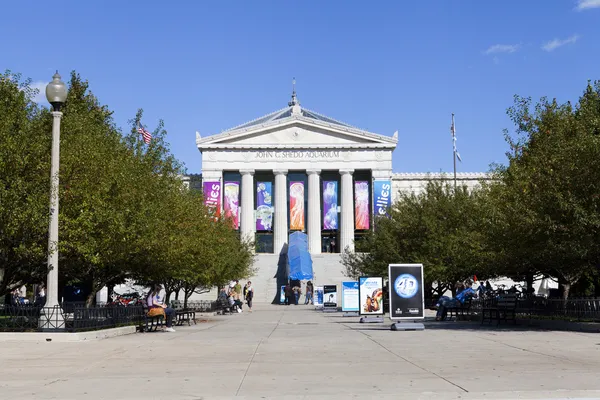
(297, 353)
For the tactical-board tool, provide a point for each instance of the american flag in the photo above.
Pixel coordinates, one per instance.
(147, 136)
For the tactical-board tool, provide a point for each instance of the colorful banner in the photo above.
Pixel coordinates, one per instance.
(406, 291)
(370, 291)
(350, 299)
(264, 207)
(382, 197)
(297, 206)
(361, 205)
(212, 196)
(330, 204)
(231, 202)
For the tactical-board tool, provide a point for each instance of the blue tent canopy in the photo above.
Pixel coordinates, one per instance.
(299, 258)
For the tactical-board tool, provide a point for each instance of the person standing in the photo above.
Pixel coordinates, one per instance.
(297, 292)
(288, 294)
(249, 295)
(40, 298)
(237, 287)
(309, 293)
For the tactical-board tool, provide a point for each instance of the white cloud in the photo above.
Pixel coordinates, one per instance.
(502, 48)
(39, 98)
(587, 4)
(556, 43)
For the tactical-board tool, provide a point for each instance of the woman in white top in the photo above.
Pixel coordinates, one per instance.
(249, 295)
(153, 301)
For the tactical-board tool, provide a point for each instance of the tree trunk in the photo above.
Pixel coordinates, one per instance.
(110, 292)
(566, 287)
(529, 283)
(168, 295)
(186, 296)
(89, 301)
(177, 294)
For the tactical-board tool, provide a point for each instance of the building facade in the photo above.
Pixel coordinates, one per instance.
(298, 170)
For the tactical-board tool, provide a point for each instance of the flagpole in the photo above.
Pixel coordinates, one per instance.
(454, 150)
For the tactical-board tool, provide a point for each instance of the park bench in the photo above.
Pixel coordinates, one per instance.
(501, 308)
(222, 306)
(183, 314)
(151, 324)
(461, 310)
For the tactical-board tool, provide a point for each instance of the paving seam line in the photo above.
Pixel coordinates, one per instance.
(254, 355)
(407, 360)
(533, 351)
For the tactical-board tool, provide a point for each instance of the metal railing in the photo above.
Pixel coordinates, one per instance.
(194, 305)
(71, 317)
(580, 309)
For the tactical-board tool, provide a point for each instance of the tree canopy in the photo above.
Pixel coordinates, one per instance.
(539, 215)
(124, 212)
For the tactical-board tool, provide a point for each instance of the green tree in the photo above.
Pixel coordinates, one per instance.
(24, 183)
(439, 228)
(552, 180)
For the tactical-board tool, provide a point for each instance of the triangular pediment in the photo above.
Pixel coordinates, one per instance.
(295, 128)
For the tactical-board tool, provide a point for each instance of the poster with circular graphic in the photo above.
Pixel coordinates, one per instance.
(406, 286)
(406, 291)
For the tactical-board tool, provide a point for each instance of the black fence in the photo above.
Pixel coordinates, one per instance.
(69, 318)
(579, 309)
(75, 317)
(194, 305)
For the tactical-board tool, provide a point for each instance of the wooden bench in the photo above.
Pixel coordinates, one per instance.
(502, 308)
(151, 324)
(461, 310)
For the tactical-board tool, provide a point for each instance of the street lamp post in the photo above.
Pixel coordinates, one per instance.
(56, 93)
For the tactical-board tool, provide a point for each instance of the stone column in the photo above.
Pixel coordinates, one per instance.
(314, 211)
(247, 223)
(347, 206)
(280, 228)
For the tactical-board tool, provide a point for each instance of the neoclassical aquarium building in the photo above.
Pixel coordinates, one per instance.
(298, 170)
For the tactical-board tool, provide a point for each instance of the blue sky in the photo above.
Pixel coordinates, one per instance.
(381, 66)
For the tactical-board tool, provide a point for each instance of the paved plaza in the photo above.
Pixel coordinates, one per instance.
(297, 353)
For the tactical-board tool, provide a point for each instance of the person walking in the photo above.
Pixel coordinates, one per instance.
(249, 295)
(288, 294)
(297, 293)
(309, 293)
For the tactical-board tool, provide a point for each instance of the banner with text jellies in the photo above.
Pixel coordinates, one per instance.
(264, 206)
(231, 203)
(297, 206)
(330, 204)
(212, 197)
(361, 205)
(382, 197)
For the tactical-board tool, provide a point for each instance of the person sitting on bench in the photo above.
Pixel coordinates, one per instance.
(444, 303)
(234, 300)
(153, 301)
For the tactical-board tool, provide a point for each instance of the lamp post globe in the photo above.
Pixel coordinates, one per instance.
(56, 92)
(51, 317)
